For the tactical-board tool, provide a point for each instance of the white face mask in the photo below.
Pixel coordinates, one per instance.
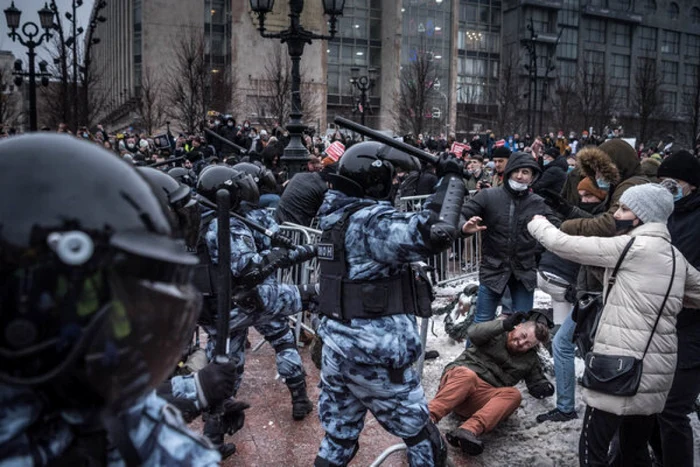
(517, 186)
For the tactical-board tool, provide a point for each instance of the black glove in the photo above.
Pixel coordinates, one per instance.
(448, 164)
(541, 390)
(309, 295)
(233, 416)
(217, 381)
(555, 201)
(302, 253)
(513, 320)
(280, 240)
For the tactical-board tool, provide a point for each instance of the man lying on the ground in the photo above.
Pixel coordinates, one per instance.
(478, 385)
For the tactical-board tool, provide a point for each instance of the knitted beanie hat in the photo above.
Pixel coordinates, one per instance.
(586, 184)
(650, 202)
(681, 165)
(501, 152)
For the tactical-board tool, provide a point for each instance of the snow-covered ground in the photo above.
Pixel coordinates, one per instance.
(520, 440)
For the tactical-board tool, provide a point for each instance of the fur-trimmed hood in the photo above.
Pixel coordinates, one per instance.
(591, 160)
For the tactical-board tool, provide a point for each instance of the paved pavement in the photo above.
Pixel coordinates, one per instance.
(271, 437)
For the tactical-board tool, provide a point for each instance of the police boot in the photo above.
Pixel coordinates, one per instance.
(301, 405)
(214, 431)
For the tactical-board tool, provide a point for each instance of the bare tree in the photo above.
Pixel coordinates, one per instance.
(187, 85)
(273, 102)
(10, 102)
(507, 96)
(595, 99)
(416, 93)
(150, 108)
(564, 103)
(692, 105)
(646, 95)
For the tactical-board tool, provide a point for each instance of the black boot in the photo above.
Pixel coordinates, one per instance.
(301, 405)
(213, 430)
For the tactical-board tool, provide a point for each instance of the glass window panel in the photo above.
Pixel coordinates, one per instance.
(693, 46)
(647, 38)
(669, 72)
(621, 35)
(670, 41)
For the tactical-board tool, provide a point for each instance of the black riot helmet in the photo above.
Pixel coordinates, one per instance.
(263, 176)
(240, 186)
(96, 302)
(183, 175)
(178, 197)
(363, 172)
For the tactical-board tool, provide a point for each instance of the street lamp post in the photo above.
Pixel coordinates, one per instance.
(532, 77)
(31, 40)
(363, 84)
(296, 37)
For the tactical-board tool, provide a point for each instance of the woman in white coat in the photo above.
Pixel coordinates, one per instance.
(628, 317)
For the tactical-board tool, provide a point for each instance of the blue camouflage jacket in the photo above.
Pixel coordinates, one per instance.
(379, 241)
(32, 435)
(278, 299)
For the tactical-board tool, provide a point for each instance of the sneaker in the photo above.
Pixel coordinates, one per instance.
(556, 415)
(467, 441)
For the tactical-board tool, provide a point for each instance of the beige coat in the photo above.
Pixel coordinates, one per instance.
(634, 302)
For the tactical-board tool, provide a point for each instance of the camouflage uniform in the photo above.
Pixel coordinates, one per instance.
(32, 436)
(359, 354)
(279, 300)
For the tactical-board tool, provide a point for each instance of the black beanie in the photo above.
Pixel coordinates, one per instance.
(681, 165)
(501, 152)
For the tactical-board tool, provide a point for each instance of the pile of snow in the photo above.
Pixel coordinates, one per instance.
(519, 440)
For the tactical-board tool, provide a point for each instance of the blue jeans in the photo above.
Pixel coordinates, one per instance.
(563, 349)
(487, 301)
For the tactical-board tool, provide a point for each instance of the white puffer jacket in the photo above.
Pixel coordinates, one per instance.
(633, 305)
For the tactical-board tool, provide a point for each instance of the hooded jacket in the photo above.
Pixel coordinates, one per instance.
(632, 306)
(507, 247)
(617, 163)
(553, 176)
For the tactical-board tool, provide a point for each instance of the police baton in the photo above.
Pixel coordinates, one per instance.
(276, 237)
(240, 149)
(167, 161)
(382, 138)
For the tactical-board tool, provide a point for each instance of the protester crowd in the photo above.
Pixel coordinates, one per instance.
(608, 230)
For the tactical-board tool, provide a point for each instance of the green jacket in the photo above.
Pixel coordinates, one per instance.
(488, 357)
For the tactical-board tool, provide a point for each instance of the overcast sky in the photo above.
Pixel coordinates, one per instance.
(29, 10)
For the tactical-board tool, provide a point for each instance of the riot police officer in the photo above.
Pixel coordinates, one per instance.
(96, 305)
(268, 301)
(369, 298)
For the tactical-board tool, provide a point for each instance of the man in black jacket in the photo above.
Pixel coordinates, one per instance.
(553, 173)
(673, 441)
(509, 253)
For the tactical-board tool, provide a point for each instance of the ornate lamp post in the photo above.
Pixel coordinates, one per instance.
(363, 84)
(30, 38)
(296, 37)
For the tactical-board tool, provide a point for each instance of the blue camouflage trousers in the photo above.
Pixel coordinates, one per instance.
(279, 335)
(349, 390)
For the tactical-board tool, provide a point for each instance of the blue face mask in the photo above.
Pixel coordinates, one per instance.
(602, 184)
(546, 162)
(570, 169)
(678, 196)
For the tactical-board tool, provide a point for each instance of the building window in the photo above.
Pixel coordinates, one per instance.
(669, 99)
(691, 75)
(695, 15)
(595, 60)
(647, 38)
(650, 6)
(567, 71)
(669, 72)
(621, 35)
(568, 45)
(670, 41)
(595, 30)
(620, 68)
(673, 10)
(692, 49)
(540, 20)
(624, 5)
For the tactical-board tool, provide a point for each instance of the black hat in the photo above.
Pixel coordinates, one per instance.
(501, 152)
(681, 165)
(552, 152)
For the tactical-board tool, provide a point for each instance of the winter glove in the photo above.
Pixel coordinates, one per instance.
(309, 295)
(280, 240)
(448, 164)
(541, 390)
(302, 253)
(247, 299)
(215, 382)
(555, 201)
(233, 415)
(513, 320)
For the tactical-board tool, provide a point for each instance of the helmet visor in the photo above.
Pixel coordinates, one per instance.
(189, 216)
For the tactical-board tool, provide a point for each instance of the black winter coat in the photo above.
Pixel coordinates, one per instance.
(684, 225)
(553, 176)
(507, 247)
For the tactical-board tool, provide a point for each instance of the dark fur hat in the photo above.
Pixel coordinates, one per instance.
(591, 160)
